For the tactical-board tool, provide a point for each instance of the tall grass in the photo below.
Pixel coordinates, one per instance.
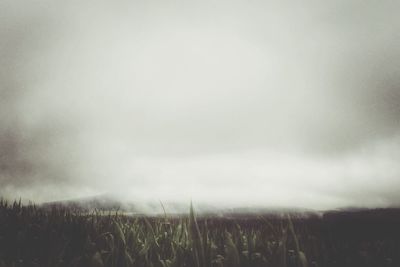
(31, 236)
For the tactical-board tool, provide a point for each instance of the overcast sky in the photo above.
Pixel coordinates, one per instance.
(239, 103)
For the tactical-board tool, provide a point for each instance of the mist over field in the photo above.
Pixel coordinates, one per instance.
(229, 103)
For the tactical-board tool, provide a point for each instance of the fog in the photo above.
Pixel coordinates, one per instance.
(230, 103)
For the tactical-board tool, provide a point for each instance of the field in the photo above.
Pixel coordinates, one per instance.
(33, 236)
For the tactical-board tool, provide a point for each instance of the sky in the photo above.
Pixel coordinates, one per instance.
(230, 103)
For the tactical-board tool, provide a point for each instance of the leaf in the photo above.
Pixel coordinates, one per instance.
(97, 261)
(232, 255)
(196, 240)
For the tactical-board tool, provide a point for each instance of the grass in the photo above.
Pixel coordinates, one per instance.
(32, 236)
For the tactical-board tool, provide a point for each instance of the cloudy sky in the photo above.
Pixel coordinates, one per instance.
(238, 103)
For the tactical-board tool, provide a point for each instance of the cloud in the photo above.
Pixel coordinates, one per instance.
(158, 95)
